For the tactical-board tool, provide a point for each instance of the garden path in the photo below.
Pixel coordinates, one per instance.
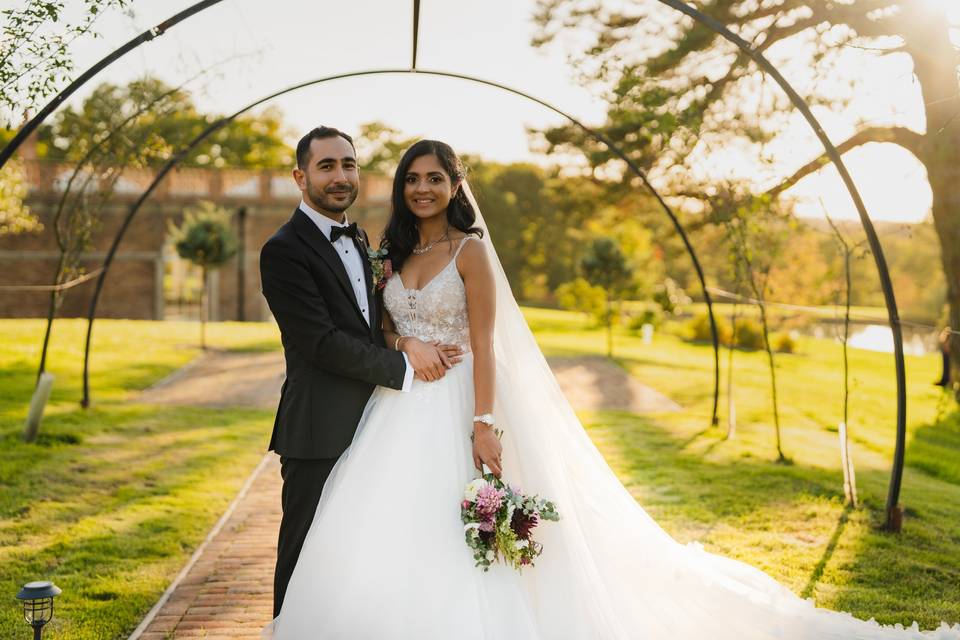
(225, 591)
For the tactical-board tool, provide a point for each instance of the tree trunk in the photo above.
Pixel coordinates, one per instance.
(935, 63)
(731, 404)
(609, 327)
(773, 376)
(203, 309)
(52, 306)
(946, 215)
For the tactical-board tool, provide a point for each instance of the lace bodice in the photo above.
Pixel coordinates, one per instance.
(438, 311)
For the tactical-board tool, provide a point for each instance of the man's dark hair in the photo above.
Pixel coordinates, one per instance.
(319, 133)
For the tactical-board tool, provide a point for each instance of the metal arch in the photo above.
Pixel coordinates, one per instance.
(213, 127)
(416, 33)
(893, 496)
(7, 152)
(892, 521)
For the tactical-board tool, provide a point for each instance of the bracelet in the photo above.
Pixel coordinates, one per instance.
(485, 418)
(396, 343)
(496, 431)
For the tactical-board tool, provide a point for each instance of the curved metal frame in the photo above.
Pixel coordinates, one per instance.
(215, 126)
(892, 506)
(896, 476)
(7, 152)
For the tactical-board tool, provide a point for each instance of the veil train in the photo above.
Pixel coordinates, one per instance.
(634, 578)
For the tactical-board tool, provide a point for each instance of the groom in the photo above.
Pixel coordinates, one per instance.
(317, 280)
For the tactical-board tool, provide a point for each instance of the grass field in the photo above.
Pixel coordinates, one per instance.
(113, 500)
(789, 519)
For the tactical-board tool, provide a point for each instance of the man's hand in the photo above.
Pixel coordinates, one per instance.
(424, 358)
(486, 449)
(430, 361)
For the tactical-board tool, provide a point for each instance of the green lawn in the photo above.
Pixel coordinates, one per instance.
(789, 519)
(113, 500)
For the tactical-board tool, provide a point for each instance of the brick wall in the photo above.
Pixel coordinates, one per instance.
(134, 285)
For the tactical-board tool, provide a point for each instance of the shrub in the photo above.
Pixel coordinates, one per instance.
(647, 316)
(670, 296)
(749, 334)
(580, 295)
(698, 329)
(784, 343)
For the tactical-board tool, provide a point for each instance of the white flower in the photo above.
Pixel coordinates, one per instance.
(470, 493)
(522, 544)
(471, 525)
(490, 556)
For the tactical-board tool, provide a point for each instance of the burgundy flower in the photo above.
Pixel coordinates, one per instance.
(523, 524)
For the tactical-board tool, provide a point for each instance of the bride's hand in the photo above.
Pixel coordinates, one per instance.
(486, 449)
(453, 353)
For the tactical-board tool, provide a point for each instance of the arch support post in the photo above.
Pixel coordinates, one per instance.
(180, 155)
(893, 508)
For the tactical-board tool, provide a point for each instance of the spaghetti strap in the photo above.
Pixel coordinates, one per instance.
(460, 246)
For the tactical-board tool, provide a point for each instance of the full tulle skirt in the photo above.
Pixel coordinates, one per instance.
(385, 557)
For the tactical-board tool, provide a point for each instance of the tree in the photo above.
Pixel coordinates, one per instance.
(846, 459)
(252, 141)
(380, 146)
(15, 216)
(685, 90)
(34, 50)
(757, 235)
(605, 266)
(207, 240)
(109, 133)
(580, 295)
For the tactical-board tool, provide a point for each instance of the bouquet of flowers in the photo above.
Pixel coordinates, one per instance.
(498, 521)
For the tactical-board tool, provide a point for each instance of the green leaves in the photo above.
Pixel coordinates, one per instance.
(147, 121)
(35, 60)
(205, 238)
(15, 216)
(605, 265)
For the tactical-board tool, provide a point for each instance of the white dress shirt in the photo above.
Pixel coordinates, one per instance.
(353, 263)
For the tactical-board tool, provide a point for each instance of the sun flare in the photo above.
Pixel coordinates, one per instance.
(951, 7)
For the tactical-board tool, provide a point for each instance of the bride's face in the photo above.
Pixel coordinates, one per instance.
(427, 189)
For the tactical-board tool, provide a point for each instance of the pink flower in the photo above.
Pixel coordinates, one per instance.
(489, 500)
(387, 269)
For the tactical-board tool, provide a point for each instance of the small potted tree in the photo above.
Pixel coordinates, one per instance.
(207, 240)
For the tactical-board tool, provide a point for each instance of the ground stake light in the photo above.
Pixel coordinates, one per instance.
(37, 598)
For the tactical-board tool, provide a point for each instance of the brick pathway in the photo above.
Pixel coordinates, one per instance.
(228, 591)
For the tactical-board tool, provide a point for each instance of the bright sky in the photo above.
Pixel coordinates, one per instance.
(262, 47)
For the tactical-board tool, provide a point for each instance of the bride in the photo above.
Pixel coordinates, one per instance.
(385, 556)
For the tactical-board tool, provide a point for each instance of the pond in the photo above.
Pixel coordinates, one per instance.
(877, 337)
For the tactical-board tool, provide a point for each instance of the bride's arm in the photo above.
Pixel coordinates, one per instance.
(474, 266)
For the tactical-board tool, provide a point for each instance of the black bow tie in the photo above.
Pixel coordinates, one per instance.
(350, 231)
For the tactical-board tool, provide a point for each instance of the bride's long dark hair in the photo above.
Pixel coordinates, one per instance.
(401, 234)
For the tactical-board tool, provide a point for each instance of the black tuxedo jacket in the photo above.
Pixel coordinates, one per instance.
(334, 358)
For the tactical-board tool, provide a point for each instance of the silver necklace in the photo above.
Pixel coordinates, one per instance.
(420, 252)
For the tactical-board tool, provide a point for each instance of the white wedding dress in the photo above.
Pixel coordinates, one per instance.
(385, 557)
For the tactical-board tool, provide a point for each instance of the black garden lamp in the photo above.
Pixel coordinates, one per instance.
(37, 598)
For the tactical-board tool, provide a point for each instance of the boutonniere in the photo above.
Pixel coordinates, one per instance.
(380, 266)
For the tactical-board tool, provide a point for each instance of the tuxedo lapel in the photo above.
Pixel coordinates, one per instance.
(310, 234)
(361, 244)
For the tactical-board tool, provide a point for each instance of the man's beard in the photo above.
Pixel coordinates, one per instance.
(324, 198)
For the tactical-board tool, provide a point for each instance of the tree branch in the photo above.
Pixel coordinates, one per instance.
(906, 138)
